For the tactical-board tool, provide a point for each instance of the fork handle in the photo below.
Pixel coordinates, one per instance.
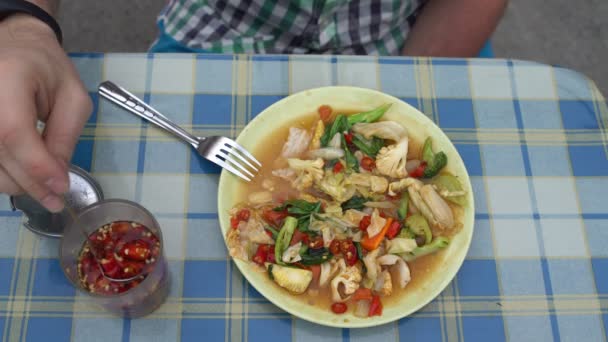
(120, 96)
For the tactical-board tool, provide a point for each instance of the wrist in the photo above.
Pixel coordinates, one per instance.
(21, 25)
(17, 23)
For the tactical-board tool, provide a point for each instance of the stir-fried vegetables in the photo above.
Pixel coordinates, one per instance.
(347, 210)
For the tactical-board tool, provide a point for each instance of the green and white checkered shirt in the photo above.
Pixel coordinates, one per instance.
(297, 26)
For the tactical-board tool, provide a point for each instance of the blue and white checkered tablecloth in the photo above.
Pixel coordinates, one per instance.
(534, 139)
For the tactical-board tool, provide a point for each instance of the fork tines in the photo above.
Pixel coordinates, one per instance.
(234, 158)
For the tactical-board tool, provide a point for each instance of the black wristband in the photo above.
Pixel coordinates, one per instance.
(8, 7)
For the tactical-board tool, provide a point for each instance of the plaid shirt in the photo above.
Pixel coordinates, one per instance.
(296, 26)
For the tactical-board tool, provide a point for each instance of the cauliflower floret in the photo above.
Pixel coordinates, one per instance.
(345, 283)
(297, 142)
(382, 129)
(317, 134)
(375, 183)
(314, 167)
(308, 171)
(335, 186)
(376, 224)
(391, 160)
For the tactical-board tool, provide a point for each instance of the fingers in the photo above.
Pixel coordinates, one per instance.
(7, 184)
(70, 112)
(24, 156)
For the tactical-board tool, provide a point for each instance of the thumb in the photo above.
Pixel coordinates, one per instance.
(71, 110)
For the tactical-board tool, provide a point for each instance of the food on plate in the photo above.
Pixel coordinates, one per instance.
(126, 249)
(352, 212)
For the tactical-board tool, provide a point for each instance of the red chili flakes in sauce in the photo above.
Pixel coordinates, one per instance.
(125, 248)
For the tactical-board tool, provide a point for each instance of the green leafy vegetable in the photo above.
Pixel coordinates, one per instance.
(360, 255)
(302, 211)
(418, 225)
(371, 116)
(437, 244)
(369, 147)
(284, 238)
(340, 124)
(269, 270)
(273, 231)
(315, 256)
(355, 202)
(351, 161)
(434, 161)
(331, 163)
(403, 203)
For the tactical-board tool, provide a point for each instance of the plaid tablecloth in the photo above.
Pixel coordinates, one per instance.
(533, 138)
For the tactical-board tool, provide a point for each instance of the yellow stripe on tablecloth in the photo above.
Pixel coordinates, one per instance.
(448, 306)
(559, 137)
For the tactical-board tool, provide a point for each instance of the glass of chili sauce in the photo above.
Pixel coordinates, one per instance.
(128, 241)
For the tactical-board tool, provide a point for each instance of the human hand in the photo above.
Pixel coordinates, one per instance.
(38, 82)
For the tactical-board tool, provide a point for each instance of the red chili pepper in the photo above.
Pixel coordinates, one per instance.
(338, 167)
(243, 215)
(363, 294)
(419, 171)
(120, 227)
(110, 266)
(365, 222)
(368, 163)
(234, 222)
(135, 250)
(271, 257)
(348, 137)
(324, 112)
(334, 247)
(275, 217)
(316, 242)
(348, 249)
(375, 308)
(393, 230)
(131, 269)
(261, 255)
(339, 308)
(299, 236)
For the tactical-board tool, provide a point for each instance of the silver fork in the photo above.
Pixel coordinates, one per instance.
(222, 151)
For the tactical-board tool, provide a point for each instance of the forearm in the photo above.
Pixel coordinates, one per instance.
(453, 28)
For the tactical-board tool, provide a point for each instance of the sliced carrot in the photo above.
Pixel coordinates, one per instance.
(372, 243)
(363, 293)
